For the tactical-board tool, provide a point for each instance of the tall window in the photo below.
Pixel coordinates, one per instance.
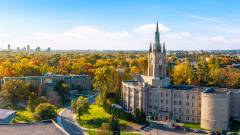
(160, 71)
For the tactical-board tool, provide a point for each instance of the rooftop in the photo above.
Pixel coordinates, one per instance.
(47, 75)
(133, 82)
(215, 90)
(39, 128)
(181, 87)
(4, 113)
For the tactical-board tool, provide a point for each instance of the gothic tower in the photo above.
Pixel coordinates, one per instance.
(157, 62)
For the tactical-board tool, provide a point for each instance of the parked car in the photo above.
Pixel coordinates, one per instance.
(229, 133)
(196, 131)
(177, 127)
(148, 128)
(145, 129)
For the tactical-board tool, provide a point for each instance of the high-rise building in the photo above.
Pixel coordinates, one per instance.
(38, 49)
(48, 49)
(9, 47)
(28, 48)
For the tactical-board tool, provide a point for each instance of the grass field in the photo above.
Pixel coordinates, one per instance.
(96, 115)
(192, 126)
(23, 116)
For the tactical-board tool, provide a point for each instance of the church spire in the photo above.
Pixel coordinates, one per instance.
(157, 39)
(150, 47)
(164, 49)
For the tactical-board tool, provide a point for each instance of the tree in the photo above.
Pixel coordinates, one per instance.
(5, 103)
(30, 105)
(105, 129)
(80, 106)
(140, 116)
(74, 106)
(107, 80)
(34, 101)
(183, 73)
(63, 89)
(202, 72)
(112, 127)
(15, 91)
(115, 126)
(45, 111)
(54, 98)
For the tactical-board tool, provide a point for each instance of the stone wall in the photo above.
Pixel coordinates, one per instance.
(215, 110)
(235, 104)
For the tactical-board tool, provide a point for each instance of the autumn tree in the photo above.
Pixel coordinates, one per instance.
(63, 89)
(183, 73)
(80, 106)
(15, 91)
(107, 80)
(202, 72)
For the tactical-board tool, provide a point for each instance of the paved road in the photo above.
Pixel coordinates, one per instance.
(68, 123)
(160, 130)
(91, 99)
(168, 132)
(66, 120)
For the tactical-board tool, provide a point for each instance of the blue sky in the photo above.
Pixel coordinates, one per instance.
(120, 24)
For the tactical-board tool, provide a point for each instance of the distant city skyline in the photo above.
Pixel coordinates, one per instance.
(120, 25)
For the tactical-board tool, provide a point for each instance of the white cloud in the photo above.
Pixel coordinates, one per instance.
(203, 18)
(83, 37)
(179, 35)
(150, 28)
(88, 37)
(219, 39)
(214, 39)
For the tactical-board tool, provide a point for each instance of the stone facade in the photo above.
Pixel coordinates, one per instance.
(215, 110)
(48, 82)
(154, 95)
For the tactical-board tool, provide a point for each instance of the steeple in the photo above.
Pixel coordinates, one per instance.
(150, 47)
(157, 45)
(157, 40)
(164, 49)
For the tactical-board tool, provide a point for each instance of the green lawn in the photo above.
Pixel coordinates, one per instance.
(96, 115)
(129, 133)
(94, 118)
(192, 126)
(23, 116)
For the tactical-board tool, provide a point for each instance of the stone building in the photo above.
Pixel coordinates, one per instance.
(154, 95)
(47, 83)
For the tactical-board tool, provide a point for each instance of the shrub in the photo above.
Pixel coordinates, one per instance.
(120, 113)
(45, 111)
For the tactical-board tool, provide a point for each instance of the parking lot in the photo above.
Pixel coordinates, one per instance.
(155, 129)
(168, 132)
